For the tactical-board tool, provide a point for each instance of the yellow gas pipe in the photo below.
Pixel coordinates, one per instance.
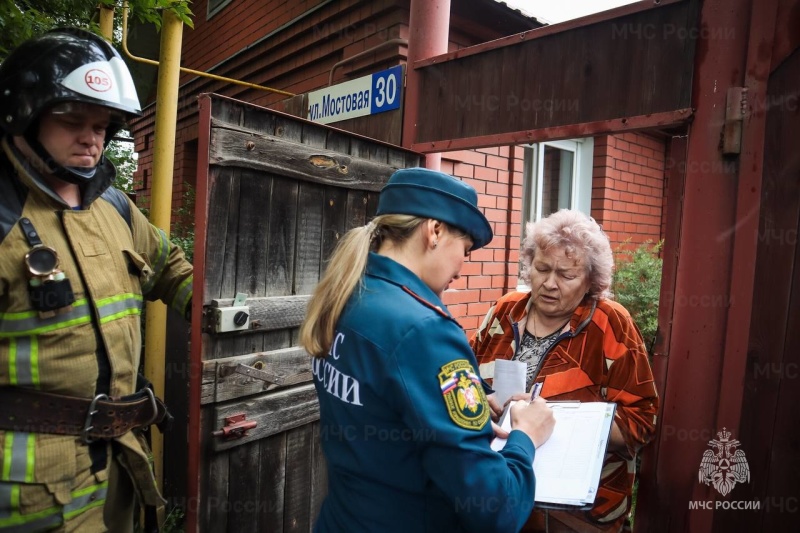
(161, 203)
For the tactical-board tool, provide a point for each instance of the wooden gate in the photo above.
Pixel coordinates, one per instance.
(274, 195)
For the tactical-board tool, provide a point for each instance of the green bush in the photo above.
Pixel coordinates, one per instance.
(183, 228)
(637, 285)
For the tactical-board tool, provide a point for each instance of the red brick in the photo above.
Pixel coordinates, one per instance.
(470, 324)
(493, 268)
(482, 254)
(478, 185)
(500, 228)
(479, 282)
(471, 268)
(478, 308)
(485, 200)
(460, 283)
(468, 156)
(498, 282)
(495, 215)
(496, 189)
(491, 295)
(456, 310)
(500, 163)
(463, 170)
(483, 173)
(462, 296)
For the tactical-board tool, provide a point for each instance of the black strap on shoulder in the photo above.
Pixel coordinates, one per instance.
(31, 235)
(118, 199)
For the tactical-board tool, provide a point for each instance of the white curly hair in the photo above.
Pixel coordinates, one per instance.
(579, 235)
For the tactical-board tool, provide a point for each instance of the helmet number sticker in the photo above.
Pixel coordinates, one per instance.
(98, 80)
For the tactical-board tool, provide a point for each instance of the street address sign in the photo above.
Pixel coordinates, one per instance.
(363, 96)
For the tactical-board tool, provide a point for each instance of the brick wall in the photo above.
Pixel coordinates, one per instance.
(627, 199)
(628, 187)
(496, 173)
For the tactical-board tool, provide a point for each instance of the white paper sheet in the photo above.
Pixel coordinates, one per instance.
(568, 465)
(509, 378)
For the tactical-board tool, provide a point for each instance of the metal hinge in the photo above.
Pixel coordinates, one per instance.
(735, 111)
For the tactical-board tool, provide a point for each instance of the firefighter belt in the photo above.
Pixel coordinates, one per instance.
(103, 417)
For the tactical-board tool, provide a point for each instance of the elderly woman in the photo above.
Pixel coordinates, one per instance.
(404, 419)
(581, 346)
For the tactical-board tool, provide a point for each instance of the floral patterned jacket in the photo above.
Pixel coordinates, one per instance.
(599, 356)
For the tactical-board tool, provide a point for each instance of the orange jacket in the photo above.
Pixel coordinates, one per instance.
(600, 358)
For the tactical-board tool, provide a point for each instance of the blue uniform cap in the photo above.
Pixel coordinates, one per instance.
(431, 194)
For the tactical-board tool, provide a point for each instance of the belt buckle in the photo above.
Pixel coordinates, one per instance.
(153, 404)
(87, 426)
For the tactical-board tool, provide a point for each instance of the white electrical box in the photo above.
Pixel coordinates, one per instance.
(236, 318)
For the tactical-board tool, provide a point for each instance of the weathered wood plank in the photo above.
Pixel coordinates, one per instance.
(220, 192)
(356, 211)
(220, 382)
(227, 112)
(272, 312)
(273, 482)
(372, 205)
(288, 129)
(297, 506)
(359, 148)
(319, 475)
(257, 151)
(282, 224)
(333, 220)
(379, 153)
(309, 238)
(251, 252)
(227, 286)
(338, 142)
(213, 514)
(313, 135)
(244, 491)
(275, 413)
(261, 122)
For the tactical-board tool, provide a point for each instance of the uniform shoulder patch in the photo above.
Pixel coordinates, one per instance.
(463, 395)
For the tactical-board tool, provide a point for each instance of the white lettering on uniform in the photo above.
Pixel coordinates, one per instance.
(330, 378)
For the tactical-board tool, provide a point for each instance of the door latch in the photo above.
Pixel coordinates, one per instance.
(236, 427)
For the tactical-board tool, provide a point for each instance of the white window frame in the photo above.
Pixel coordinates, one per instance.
(581, 186)
(532, 184)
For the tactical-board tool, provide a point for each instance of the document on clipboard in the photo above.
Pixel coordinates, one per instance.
(569, 464)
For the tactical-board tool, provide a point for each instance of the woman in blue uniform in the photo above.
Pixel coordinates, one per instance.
(405, 424)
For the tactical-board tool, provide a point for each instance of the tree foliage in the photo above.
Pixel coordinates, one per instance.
(121, 153)
(637, 286)
(22, 19)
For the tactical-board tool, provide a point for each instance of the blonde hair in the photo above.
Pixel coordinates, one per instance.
(576, 233)
(344, 273)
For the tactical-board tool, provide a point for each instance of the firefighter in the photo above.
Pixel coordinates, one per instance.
(77, 259)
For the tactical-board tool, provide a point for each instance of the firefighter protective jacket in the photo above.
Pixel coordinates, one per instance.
(112, 265)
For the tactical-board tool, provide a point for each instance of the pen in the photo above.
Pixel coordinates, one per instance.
(537, 388)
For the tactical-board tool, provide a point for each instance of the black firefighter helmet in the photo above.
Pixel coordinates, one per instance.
(64, 66)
